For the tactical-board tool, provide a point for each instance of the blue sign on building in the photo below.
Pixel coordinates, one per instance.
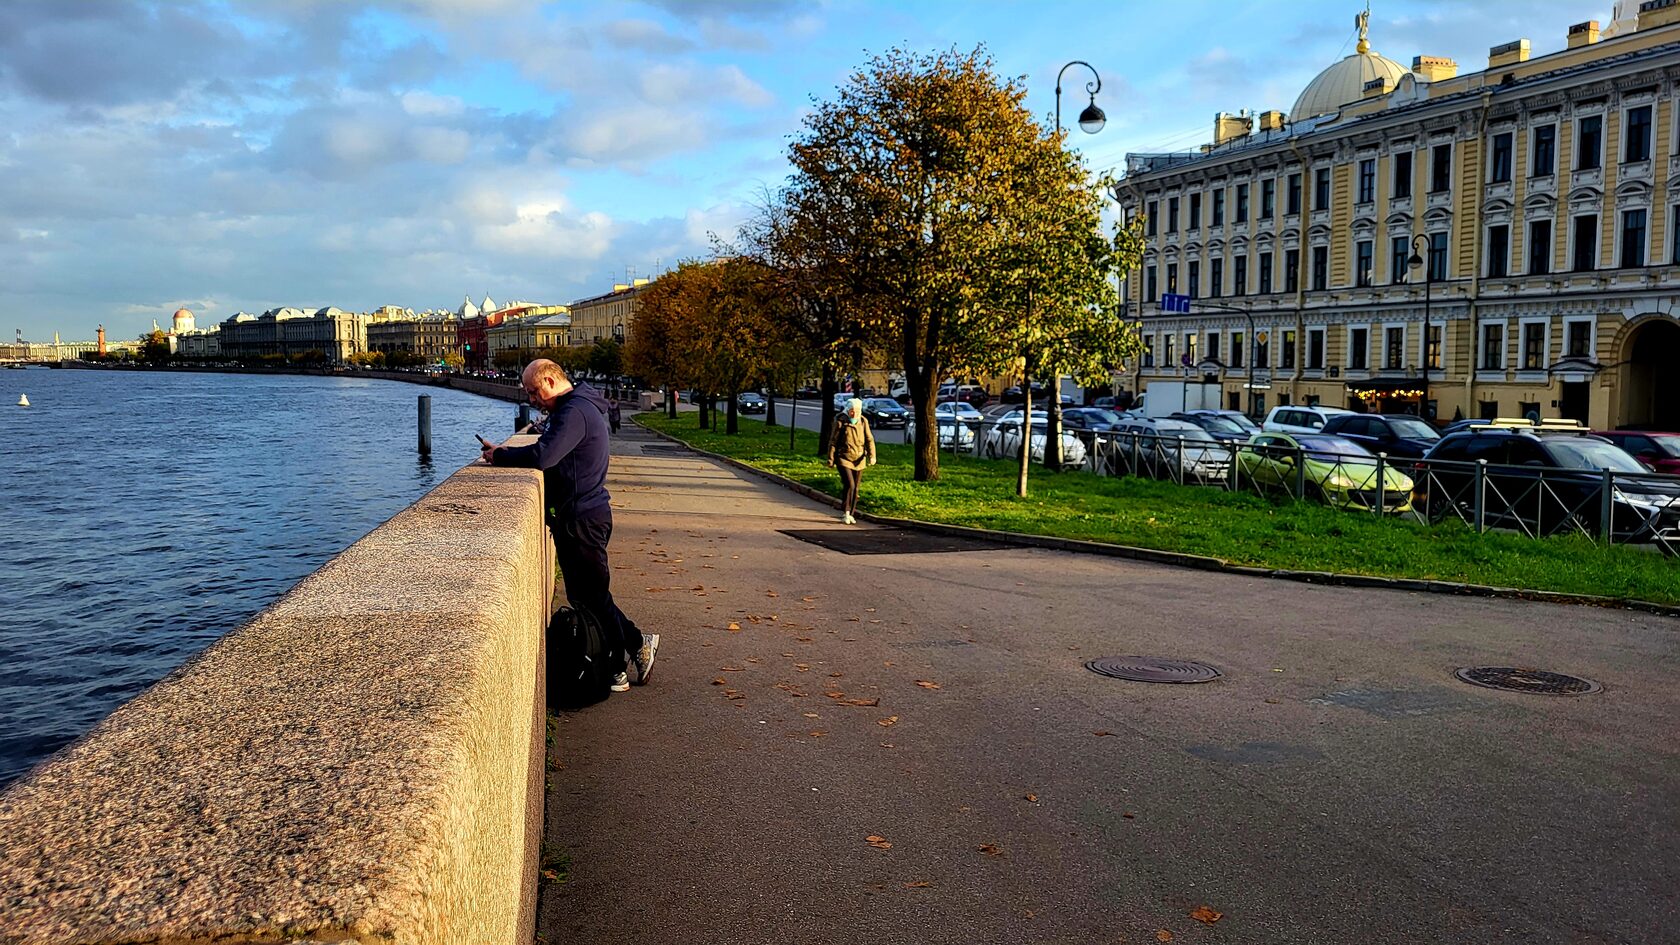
(1179, 304)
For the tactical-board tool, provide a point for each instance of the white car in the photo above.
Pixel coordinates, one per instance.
(1003, 440)
(952, 435)
(1299, 419)
(1165, 449)
(957, 410)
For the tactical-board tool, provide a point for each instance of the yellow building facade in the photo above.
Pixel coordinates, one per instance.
(606, 316)
(1523, 213)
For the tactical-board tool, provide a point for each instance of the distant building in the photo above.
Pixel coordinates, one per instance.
(606, 316)
(292, 332)
(1538, 195)
(431, 336)
(530, 331)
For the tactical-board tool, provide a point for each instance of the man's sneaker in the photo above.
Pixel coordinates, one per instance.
(847, 519)
(621, 682)
(644, 657)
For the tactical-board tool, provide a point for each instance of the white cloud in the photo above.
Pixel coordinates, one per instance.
(428, 105)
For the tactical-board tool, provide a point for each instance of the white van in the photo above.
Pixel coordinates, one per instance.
(1299, 418)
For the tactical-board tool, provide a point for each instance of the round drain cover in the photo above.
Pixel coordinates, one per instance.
(1527, 680)
(1153, 669)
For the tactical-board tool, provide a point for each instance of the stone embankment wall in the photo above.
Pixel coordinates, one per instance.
(362, 761)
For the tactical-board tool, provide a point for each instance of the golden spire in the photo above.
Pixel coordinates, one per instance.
(1363, 21)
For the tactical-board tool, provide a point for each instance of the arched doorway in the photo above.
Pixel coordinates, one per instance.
(1651, 377)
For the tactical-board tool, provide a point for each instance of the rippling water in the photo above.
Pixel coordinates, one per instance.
(143, 515)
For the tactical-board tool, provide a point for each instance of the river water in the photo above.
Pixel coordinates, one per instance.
(145, 514)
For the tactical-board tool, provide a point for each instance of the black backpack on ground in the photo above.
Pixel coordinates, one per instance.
(581, 660)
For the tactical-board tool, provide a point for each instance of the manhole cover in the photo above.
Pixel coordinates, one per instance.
(887, 541)
(1153, 669)
(1527, 680)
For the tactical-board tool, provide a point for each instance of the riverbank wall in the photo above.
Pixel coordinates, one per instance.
(361, 761)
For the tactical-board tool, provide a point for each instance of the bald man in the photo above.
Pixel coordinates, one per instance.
(572, 453)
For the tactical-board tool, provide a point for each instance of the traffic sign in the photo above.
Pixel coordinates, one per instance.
(1171, 302)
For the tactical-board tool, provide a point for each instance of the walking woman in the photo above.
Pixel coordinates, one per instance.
(852, 449)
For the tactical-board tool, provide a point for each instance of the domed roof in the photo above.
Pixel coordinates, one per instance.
(1344, 81)
(183, 313)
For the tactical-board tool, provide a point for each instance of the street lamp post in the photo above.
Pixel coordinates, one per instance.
(1413, 263)
(1091, 121)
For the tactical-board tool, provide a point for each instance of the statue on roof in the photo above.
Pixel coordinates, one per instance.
(1362, 21)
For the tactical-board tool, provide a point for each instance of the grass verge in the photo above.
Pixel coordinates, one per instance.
(1240, 528)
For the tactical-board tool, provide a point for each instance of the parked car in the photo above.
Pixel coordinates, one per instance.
(749, 402)
(885, 413)
(1097, 419)
(1545, 480)
(959, 411)
(1300, 419)
(1226, 426)
(1459, 426)
(1333, 469)
(1399, 435)
(1659, 452)
(1003, 439)
(1040, 395)
(1165, 448)
(971, 394)
(840, 400)
(808, 393)
(953, 435)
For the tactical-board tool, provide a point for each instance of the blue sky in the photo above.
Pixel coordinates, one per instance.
(244, 155)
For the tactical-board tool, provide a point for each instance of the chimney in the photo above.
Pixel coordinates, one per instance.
(1509, 54)
(1376, 88)
(1271, 120)
(1583, 34)
(1229, 127)
(1434, 68)
(1655, 13)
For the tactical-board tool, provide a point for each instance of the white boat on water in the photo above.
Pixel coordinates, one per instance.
(23, 400)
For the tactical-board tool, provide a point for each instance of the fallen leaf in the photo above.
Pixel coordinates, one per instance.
(706, 644)
(733, 627)
(888, 722)
(868, 610)
(1129, 815)
(1206, 915)
(835, 694)
(787, 654)
(811, 715)
(818, 734)
(802, 667)
(919, 884)
(807, 599)
(927, 684)
(729, 669)
(835, 675)
(1033, 798)
(862, 702)
(879, 843)
(1101, 732)
(848, 619)
(1163, 936)
(771, 594)
(720, 681)
(990, 849)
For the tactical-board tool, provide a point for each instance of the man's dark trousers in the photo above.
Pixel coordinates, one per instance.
(580, 545)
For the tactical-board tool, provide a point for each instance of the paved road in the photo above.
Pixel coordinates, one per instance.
(1336, 785)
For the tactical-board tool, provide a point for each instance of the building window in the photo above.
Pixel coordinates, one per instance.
(1579, 338)
(1368, 180)
(1358, 348)
(1168, 339)
(1589, 132)
(1195, 278)
(1262, 350)
(1440, 168)
(1320, 268)
(1213, 345)
(1586, 243)
(1268, 198)
(1236, 349)
(1539, 247)
(1633, 238)
(1265, 273)
(1315, 349)
(1195, 221)
(1365, 263)
(1674, 235)
(1292, 269)
(1172, 278)
(1149, 218)
(1637, 146)
(1242, 203)
(1394, 349)
(1438, 257)
(1321, 189)
(1288, 352)
(1219, 207)
(1172, 214)
(1545, 151)
(1432, 356)
(1190, 347)
(1240, 276)
(1493, 347)
(1489, 409)
(1294, 201)
(1216, 277)
(1402, 175)
(1533, 346)
(1498, 251)
(1499, 168)
(1399, 251)
(1154, 292)
(1148, 351)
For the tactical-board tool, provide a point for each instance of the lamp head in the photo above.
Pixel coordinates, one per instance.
(1092, 119)
(1415, 262)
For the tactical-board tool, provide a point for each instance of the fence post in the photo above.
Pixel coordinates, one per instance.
(1382, 481)
(1300, 473)
(1180, 460)
(1607, 508)
(1234, 477)
(1132, 467)
(1478, 498)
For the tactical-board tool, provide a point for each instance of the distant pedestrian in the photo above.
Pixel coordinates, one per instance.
(852, 449)
(572, 453)
(613, 415)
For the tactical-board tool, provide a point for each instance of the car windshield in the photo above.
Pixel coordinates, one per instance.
(1582, 453)
(1413, 429)
(1218, 424)
(1247, 425)
(1332, 447)
(1668, 445)
(881, 403)
(1101, 415)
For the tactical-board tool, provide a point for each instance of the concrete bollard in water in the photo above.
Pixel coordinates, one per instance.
(425, 424)
(524, 418)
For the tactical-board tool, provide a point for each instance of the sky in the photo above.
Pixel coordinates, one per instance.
(229, 156)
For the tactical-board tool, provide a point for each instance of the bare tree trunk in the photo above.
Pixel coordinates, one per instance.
(922, 381)
(730, 416)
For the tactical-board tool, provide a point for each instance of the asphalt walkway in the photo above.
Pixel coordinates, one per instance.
(906, 747)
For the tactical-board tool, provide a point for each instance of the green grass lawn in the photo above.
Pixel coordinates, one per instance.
(1240, 528)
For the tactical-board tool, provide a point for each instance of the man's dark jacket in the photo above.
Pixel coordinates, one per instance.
(572, 453)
